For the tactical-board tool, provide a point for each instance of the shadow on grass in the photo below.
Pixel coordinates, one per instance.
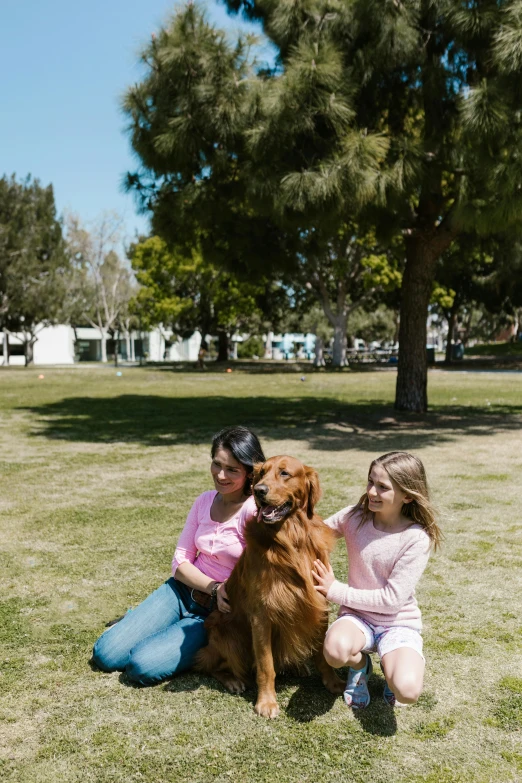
(309, 701)
(324, 423)
(378, 718)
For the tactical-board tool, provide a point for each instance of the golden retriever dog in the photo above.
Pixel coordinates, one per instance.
(277, 619)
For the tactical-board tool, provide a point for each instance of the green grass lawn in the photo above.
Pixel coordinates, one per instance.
(98, 473)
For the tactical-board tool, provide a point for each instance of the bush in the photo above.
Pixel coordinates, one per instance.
(496, 349)
(254, 346)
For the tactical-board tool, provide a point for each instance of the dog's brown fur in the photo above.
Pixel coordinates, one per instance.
(277, 618)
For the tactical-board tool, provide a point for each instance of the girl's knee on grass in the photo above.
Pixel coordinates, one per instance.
(406, 687)
(404, 672)
(343, 644)
(389, 534)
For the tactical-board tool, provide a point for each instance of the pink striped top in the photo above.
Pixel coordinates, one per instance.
(213, 547)
(383, 570)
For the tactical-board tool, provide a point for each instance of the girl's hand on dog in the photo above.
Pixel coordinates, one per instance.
(222, 598)
(324, 576)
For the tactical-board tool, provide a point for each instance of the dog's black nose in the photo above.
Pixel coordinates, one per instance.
(260, 490)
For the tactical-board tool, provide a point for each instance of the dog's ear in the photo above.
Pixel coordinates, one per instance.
(255, 472)
(314, 490)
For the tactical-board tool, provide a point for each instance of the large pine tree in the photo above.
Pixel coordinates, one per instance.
(405, 112)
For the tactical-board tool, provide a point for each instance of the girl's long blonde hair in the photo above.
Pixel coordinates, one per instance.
(408, 473)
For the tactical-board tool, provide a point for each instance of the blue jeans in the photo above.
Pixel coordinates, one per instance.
(157, 639)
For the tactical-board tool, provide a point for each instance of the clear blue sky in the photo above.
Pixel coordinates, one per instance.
(64, 67)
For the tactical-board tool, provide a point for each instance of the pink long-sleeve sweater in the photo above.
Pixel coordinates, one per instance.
(213, 547)
(383, 571)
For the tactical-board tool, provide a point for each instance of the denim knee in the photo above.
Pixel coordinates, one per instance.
(139, 670)
(105, 658)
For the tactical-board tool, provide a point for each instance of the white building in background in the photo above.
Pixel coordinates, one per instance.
(60, 345)
(63, 345)
(290, 346)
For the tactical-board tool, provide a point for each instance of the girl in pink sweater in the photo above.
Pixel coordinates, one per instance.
(389, 534)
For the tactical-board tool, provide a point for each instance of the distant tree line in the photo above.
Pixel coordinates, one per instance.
(55, 270)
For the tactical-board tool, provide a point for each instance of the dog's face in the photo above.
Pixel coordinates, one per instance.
(282, 485)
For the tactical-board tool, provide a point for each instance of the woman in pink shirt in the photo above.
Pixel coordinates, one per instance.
(161, 636)
(389, 534)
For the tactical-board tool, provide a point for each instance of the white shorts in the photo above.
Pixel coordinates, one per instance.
(384, 638)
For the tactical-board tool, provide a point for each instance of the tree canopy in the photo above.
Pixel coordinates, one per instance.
(33, 261)
(100, 284)
(405, 114)
(185, 293)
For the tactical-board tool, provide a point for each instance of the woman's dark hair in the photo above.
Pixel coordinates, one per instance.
(244, 447)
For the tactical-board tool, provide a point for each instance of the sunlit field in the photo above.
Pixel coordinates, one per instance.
(98, 472)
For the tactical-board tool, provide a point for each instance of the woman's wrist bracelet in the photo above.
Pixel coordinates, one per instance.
(213, 594)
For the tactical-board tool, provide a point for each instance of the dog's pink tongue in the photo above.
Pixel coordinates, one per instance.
(269, 511)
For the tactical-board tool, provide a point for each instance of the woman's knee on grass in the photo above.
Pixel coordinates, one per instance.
(106, 656)
(141, 670)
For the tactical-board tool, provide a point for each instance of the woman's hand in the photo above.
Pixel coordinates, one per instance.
(222, 598)
(324, 576)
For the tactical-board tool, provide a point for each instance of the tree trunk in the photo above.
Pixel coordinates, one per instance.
(6, 349)
(76, 349)
(222, 346)
(518, 324)
(451, 333)
(28, 351)
(397, 327)
(467, 327)
(104, 347)
(128, 346)
(338, 318)
(115, 340)
(339, 342)
(268, 345)
(319, 352)
(412, 377)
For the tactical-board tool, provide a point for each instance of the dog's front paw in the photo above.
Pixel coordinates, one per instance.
(267, 708)
(334, 684)
(233, 685)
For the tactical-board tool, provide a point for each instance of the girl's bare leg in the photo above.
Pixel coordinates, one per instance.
(343, 645)
(404, 672)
